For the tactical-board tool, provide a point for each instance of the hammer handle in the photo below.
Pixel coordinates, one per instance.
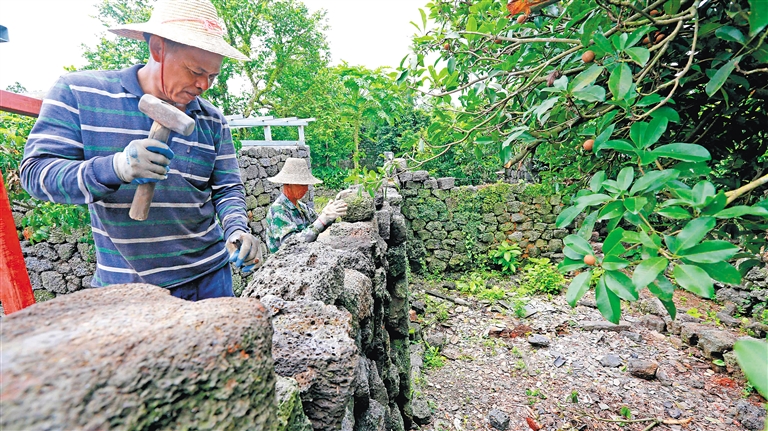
(142, 199)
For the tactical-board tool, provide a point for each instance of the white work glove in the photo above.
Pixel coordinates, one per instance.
(143, 161)
(332, 211)
(245, 250)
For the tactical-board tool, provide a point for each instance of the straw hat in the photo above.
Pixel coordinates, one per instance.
(189, 22)
(295, 171)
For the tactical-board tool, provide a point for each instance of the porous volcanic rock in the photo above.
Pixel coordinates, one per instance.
(314, 344)
(135, 357)
(300, 270)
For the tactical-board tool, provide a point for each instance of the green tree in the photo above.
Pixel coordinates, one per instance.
(671, 93)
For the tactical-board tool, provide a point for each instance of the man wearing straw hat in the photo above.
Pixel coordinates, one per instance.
(90, 146)
(289, 216)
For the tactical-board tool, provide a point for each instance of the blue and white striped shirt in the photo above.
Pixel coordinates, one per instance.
(89, 116)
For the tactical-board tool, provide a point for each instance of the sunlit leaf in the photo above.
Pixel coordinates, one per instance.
(694, 279)
(607, 302)
(648, 270)
(578, 288)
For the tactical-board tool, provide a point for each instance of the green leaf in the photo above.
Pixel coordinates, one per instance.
(636, 132)
(703, 193)
(593, 199)
(654, 180)
(578, 288)
(611, 210)
(723, 272)
(648, 271)
(578, 244)
(585, 78)
(596, 183)
(653, 132)
(588, 225)
(670, 306)
(752, 356)
(568, 265)
(638, 55)
(742, 210)
(694, 279)
(603, 43)
(423, 19)
(666, 112)
(621, 285)
(662, 288)
(620, 145)
(715, 205)
(693, 232)
(625, 178)
(614, 263)
(720, 76)
(620, 81)
(451, 65)
(672, 7)
(674, 213)
(710, 252)
(567, 215)
(731, 34)
(592, 93)
(544, 107)
(758, 16)
(635, 204)
(603, 137)
(471, 26)
(684, 152)
(607, 302)
(612, 244)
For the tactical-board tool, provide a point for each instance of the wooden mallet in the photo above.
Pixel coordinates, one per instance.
(167, 119)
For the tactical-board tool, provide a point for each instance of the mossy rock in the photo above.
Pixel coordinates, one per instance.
(360, 207)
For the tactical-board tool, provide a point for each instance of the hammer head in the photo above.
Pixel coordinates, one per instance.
(165, 114)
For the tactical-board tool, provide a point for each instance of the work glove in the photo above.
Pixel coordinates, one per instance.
(143, 161)
(245, 250)
(332, 211)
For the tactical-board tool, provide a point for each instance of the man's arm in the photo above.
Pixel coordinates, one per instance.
(228, 194)
(53, 167)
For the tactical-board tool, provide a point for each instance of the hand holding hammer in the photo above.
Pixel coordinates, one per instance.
(145, 161)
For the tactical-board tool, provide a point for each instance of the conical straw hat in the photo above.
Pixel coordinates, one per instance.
(189, 22)
(295, 171)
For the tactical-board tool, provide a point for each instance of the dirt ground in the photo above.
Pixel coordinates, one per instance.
(492, 372)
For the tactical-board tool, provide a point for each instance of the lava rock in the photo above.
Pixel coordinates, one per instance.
(610, 361)
(643, 369)
(498, 419)
(538, 340)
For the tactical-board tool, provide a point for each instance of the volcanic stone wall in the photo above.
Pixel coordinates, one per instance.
(340, 308)
(449, 227)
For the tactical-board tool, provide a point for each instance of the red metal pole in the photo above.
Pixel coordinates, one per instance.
(15, 288)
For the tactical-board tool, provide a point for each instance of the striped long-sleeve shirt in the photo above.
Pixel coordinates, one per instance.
(89, 116)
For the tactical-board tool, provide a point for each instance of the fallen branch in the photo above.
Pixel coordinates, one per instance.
(457, 301)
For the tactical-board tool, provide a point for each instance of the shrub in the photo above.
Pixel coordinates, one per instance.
(540, 276)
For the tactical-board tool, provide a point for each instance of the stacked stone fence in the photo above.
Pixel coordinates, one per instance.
(450, 227)
(318, 341)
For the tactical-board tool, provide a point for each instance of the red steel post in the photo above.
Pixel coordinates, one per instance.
(15, 288)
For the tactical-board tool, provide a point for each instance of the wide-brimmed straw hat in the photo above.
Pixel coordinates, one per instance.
(189, 22)
(295, 171)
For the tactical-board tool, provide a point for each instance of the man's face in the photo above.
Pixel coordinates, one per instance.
(188, 71)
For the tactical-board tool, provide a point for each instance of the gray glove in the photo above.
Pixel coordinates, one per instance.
(245, 250)
(143, 160)
(332, 211)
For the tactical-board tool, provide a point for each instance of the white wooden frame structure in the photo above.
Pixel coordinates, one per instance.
(267, 122)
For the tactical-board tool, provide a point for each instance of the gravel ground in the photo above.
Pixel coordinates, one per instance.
(494, 374)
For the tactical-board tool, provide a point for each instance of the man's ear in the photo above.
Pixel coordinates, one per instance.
(156, 48)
